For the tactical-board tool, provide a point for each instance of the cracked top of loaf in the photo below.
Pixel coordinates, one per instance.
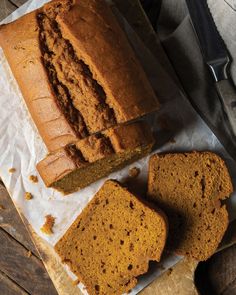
(76, 70)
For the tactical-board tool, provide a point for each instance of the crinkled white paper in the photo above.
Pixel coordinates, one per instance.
(21, 148)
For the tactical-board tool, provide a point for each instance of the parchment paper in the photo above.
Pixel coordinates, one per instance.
(21, 147)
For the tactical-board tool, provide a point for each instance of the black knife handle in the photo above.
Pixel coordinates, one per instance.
(227, 94)
(219, 68)
(212, 45)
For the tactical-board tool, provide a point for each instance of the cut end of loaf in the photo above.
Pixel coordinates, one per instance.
(83, 177)
(77, 166)
(189, 187)
(112, 241)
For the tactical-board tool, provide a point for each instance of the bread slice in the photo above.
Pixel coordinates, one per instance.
(76, 70)
(112, 241)
(189, 187)
(78, 165)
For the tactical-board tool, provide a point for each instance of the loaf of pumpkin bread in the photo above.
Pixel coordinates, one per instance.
(112, 241)
(190, 188)
(78, 165)
(76, 70)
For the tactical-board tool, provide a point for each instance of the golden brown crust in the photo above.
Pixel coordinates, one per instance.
(20, 42)
(129, 135)
(112, 240)
(113, 64)
(114, 141)
(189, 187)
(128, 91)
(55, 166)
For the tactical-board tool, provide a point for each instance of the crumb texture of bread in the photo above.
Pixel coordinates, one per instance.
(77, 166)
(112, 241)
(189, 188)
(76, 70)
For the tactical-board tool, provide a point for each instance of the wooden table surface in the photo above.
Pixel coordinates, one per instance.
(22, 271)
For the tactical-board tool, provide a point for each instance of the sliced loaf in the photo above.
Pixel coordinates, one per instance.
(189, 187)
(76, 70)
(112, 241)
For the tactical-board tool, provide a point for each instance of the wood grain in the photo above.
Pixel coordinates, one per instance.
(177, 280)
(14, 261)
(18, 3)
(230, 289)
(222, 270)
(6, 8)
(17, 240)
(60, 278)
(8, 287)
(12, 223)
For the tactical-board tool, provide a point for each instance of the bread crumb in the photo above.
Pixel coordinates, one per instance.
(28, 196)
(169, 272)
(48, 225)
(76, 282)
(12, 170)
(33, 178)
(134, 172)
(29, 254)
(2, 207)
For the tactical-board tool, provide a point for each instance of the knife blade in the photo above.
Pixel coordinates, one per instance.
(216, 56)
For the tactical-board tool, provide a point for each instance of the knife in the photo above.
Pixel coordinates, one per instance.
(216, 56)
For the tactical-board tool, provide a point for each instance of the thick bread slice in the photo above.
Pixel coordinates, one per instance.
(76, 70)
(78, 165)
(112, 241)
(189, 187)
